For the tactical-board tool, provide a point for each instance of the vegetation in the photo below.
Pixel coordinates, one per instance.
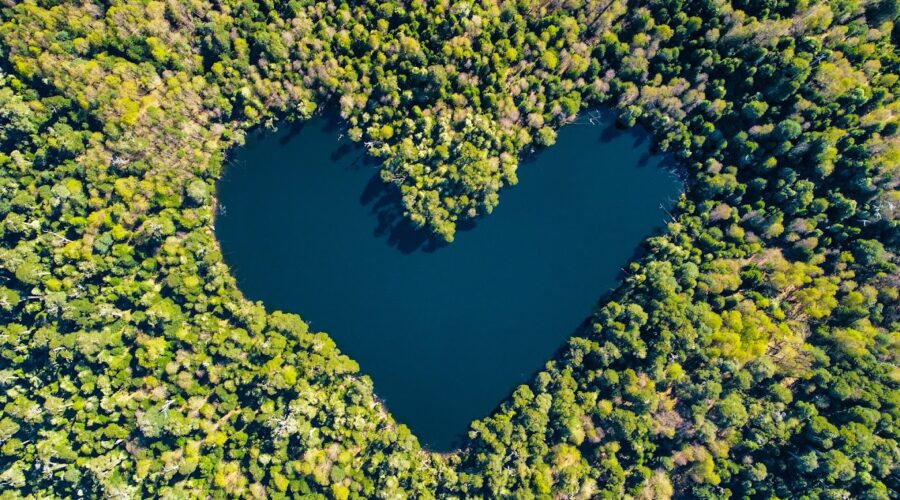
(752, 352)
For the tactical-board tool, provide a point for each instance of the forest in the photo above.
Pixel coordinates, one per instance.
(751, 352)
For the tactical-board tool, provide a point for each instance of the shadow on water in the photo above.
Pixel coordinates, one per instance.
(293, 130)
(341, 151)
(382, 199)
(614, 131)
(609, 130)
(610, 133)
(384, 202)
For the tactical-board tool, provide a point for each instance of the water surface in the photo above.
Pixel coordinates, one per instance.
(445, 331)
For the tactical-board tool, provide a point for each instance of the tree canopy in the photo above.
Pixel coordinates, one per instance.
(751, 352)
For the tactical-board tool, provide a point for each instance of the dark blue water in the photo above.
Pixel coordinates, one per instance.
(445, 331)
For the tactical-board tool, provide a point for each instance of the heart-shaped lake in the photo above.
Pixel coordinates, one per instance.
(446, 332)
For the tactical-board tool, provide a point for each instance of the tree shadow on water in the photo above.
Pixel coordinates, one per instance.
(341, 151)
(384, 202)
(292, 130)
(611, 132)
(644, 160)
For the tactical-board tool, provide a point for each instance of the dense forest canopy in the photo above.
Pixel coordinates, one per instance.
(751, 352)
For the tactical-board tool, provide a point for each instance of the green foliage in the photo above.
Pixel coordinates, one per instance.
(751, 352)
